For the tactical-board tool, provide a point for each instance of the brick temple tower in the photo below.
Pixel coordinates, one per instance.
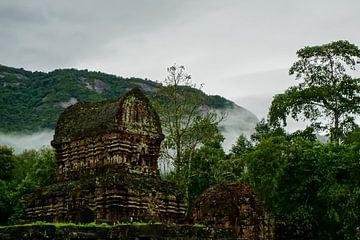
(106, 156)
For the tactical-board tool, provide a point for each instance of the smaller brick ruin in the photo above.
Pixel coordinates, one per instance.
(234, 206)
(107, 170)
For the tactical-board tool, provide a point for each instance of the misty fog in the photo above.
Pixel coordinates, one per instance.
(238, 121)
(20, 142)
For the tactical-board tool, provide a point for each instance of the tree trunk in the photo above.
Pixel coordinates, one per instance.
(178, 159)
(336, 132)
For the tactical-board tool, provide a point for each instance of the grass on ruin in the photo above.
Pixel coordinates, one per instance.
(199, 225)
(92, 224)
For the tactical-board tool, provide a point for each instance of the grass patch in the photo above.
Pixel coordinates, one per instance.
(136, 223)
(71, 224)
(198, 225)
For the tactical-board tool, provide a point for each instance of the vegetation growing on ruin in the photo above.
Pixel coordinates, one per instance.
(85, 225)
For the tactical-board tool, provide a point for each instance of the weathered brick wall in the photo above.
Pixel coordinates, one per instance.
(293, 228)
(116, 197)
(82, 157)
(236, 207)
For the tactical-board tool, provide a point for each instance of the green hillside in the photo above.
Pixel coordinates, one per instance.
(32, 101)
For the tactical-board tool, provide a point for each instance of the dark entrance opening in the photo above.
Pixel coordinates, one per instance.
(82, 215)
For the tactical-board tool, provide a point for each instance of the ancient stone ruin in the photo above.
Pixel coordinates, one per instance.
(106, 156)
(234, 206)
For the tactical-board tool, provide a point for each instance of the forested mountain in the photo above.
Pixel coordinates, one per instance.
(32, 101)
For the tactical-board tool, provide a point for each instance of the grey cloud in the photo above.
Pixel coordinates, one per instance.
(12, 14)
(73, 31)
(224, 36)
(259, 104)
(238, 49)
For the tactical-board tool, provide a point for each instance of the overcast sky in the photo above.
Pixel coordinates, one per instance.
(239, 49)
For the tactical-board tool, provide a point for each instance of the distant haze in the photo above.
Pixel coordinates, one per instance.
(20, 142)
(238, 121)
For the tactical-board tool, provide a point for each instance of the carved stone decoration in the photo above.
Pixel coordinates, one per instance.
(106, 155)
(234, 206)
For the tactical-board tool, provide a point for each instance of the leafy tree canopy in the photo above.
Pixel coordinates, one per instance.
(327, 92)
(313, 186)
(7, 162)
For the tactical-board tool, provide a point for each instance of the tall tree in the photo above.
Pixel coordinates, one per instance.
(205, 166)
(185, 120)
(327, 92)
(241, 146)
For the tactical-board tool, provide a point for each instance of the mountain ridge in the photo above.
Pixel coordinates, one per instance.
(32, 101)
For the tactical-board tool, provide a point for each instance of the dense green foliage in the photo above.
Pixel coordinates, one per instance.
(7, 161)
(30, 169)
(32, 101)
(298, 177)
(328, 92)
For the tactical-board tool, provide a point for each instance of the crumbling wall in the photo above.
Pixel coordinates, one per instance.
(83, 157)
(293, 228)
(236, 207)
(117, 197)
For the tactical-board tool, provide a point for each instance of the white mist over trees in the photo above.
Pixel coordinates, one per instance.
(20, 142)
